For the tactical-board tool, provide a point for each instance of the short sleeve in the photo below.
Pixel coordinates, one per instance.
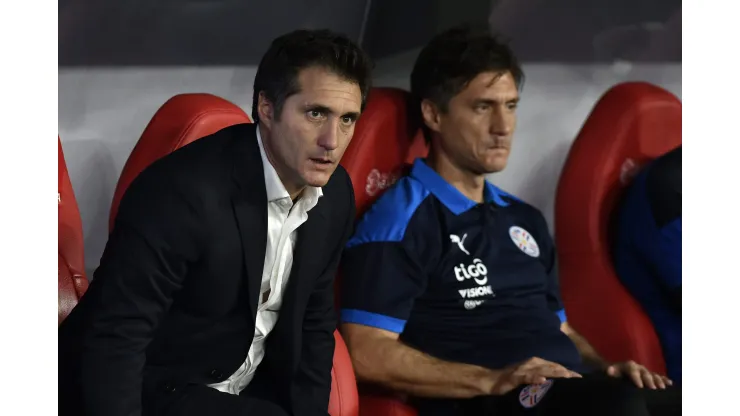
(382, 268)
(381, 281)
(554, 301)
(549, 259)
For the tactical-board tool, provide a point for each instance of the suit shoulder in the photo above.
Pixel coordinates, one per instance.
(197, 160)
(340, 179)
(340, 193)
(204, 149)
(197, 172)
(341, 173)
(339, 185)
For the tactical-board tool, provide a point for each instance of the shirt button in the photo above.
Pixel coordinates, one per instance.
(170, 388)
(216, 375)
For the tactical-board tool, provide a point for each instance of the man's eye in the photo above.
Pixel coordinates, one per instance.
(348, 120)
(315, 114)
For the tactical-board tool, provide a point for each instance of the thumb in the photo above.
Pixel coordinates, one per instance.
(613, 371)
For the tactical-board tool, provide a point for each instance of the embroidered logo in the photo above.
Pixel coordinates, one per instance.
(533, 394)
(457, 240)
(524, 240)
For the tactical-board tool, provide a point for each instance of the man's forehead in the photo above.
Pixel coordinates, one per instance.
(492, 85)
(319, 78)
(322, 87)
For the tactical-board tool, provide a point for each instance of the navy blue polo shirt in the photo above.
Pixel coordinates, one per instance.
(647, 250)
(461, 281)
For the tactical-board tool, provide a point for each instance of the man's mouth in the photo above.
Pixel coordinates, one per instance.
(322, 160)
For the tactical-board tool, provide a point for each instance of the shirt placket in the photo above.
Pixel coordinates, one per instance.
(285, 206)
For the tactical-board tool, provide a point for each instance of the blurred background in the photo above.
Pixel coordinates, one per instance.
(120, 61)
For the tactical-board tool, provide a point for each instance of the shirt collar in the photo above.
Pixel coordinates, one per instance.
(447, 194)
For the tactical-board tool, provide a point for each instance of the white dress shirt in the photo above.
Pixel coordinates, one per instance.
(283, 219)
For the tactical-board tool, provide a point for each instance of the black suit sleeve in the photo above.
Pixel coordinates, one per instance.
(312, 386)
(155, 238)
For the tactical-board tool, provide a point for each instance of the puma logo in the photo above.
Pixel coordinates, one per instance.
(457, 240)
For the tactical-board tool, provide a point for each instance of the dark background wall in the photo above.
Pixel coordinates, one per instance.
(236, 32)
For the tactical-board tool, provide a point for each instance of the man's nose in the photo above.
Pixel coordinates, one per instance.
(502, 124)
(329, 138)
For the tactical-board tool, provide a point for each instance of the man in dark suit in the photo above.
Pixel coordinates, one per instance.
(215, 242)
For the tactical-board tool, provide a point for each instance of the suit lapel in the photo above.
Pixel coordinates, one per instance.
(250, 209)
(309, 257)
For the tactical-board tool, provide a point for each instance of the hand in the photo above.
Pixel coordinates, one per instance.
(639, 375)
(532, 371)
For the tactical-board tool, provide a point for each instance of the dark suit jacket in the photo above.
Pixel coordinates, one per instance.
(174, 300)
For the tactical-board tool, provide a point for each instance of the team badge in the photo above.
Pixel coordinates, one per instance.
(533, 394)
(524, 240)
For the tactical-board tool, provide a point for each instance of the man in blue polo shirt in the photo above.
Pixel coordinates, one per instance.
(647, 251)
(450, 290)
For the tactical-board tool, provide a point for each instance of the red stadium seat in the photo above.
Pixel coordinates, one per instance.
(182, 120)
(385, 141)
(72, 280)
(343, 400)
(632, 124)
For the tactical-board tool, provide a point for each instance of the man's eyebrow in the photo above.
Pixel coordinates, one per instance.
(326, 110)
(317, 107)
(490, 101)
(354, 115)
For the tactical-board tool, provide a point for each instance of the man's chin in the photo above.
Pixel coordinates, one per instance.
(318, 179)
(494, 167)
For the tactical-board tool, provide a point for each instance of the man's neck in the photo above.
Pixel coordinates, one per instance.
(294, 191)
(469, 184)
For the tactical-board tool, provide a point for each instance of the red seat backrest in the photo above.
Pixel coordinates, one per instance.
(182, 120)
(631, 124)
(72, 281)
(386, 140)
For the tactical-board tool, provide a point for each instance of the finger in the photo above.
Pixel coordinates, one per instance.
(647, 378)
(668, 381)
(636, 377)
(532, 378)
(576, 375)
(551, 371)
(613, 371)
(560, 371)
(539, 380)
(659, 381)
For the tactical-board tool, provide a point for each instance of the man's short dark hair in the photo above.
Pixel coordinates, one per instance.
(277, 74)
(453, 58)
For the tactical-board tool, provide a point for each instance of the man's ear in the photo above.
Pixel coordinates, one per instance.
(431, 115)
(266, 110)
